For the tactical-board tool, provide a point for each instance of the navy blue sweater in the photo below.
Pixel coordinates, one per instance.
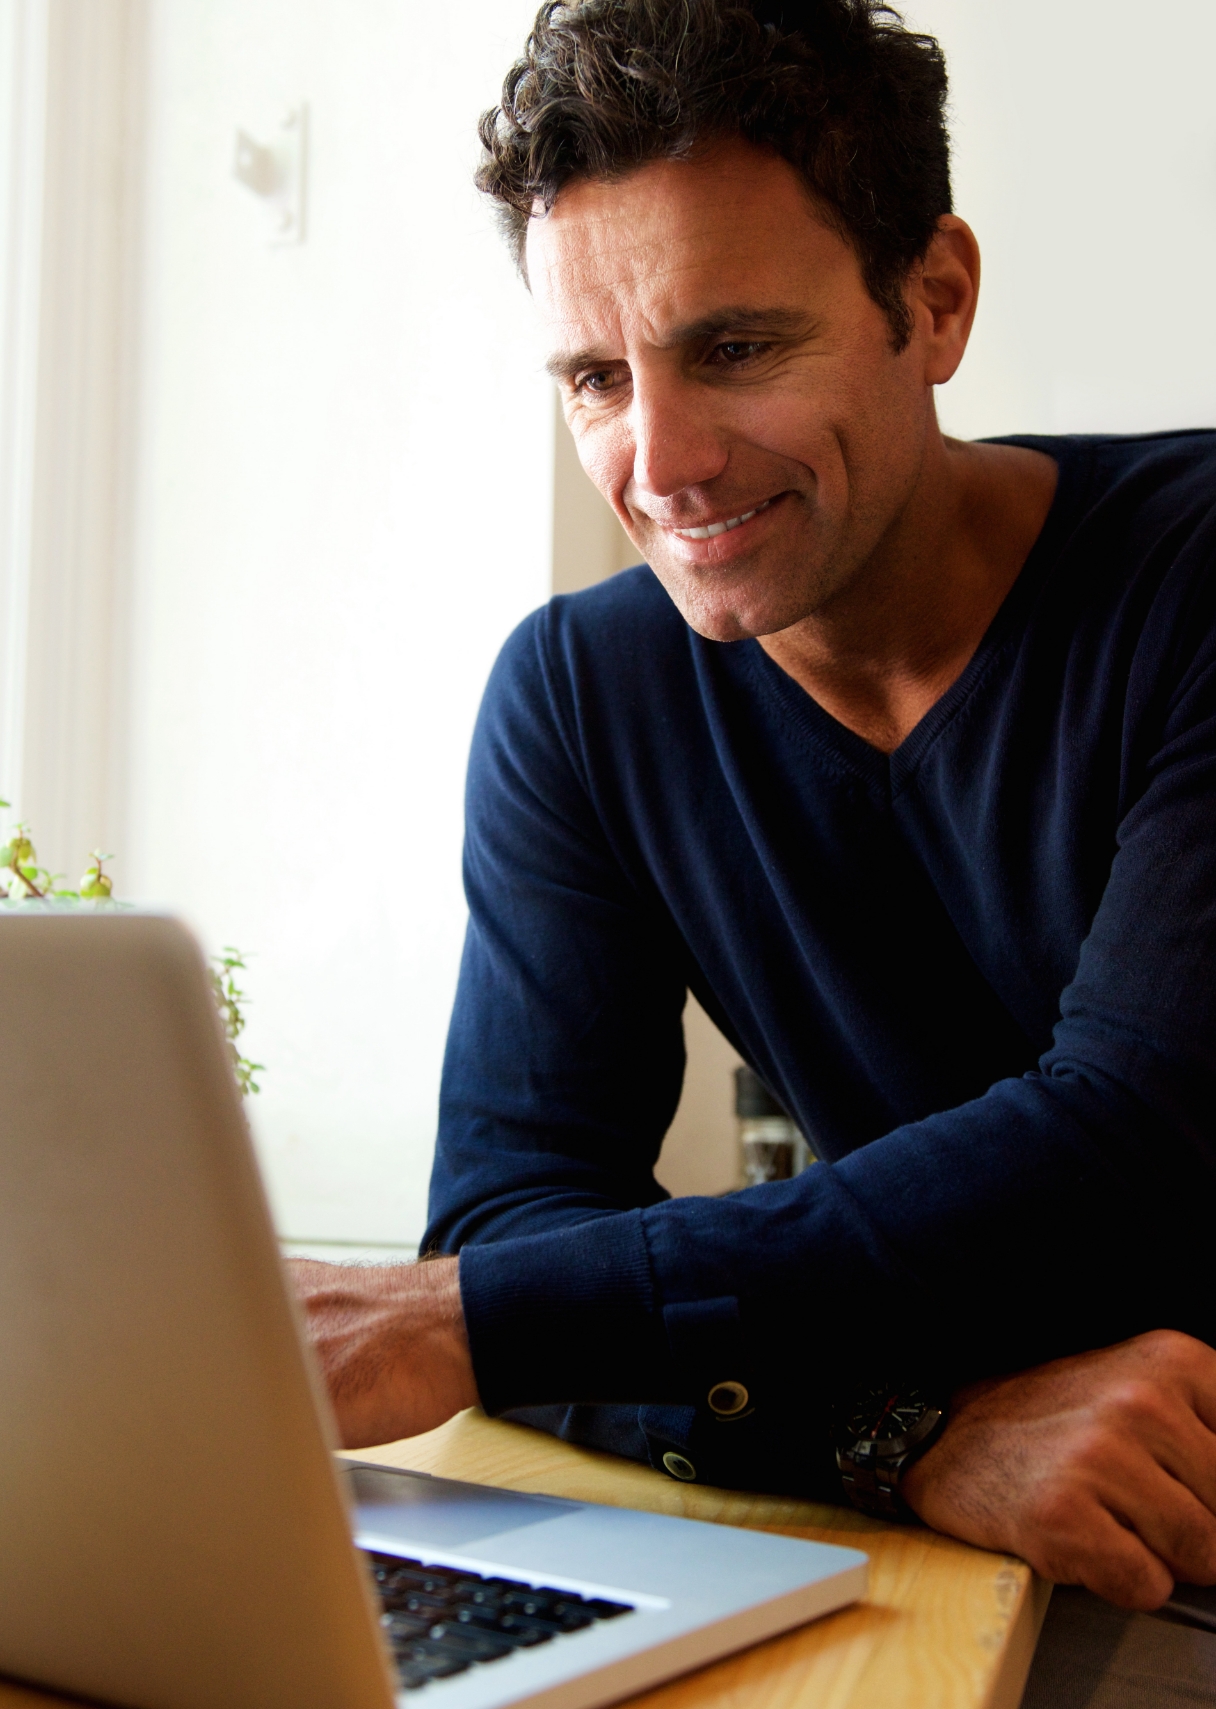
(979, 973)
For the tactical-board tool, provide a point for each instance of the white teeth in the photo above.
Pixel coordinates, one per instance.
(715, 528)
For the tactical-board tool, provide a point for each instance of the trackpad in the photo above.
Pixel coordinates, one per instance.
(406, 1508)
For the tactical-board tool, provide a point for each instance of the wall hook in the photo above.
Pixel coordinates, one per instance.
(275, 172)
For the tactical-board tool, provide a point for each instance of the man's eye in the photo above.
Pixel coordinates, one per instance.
(601, 380)
(736, 350)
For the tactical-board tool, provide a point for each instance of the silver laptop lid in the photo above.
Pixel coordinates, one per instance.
(172, 1532)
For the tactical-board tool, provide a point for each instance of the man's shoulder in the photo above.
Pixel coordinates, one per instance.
(616, 605)
(623, 623)
(621, 641)
(1178, 466)
(1171, 447)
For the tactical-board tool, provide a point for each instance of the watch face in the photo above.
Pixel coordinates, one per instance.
(887, 1415)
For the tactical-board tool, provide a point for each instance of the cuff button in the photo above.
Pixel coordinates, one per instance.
(679, 1467)
(728, 1400)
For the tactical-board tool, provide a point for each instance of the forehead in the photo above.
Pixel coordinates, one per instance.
(663, 246)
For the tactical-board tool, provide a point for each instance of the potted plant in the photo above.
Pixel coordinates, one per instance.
(23, 882)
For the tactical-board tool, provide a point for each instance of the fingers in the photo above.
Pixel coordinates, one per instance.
(1179, 1500)
(1128, 1545)
(1086, 1545)
(1171, 1522)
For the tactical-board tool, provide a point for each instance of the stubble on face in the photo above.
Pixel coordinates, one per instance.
(722, 363)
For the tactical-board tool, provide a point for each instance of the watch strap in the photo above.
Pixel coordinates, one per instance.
(874, 1489)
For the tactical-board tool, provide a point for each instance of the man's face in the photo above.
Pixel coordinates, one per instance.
(722, 363)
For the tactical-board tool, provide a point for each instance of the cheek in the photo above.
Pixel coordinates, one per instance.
(852, 423)
(884, 443)
(795, 437)
(795, 425)
(605, 449)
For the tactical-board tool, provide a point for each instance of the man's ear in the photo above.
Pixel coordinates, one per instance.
(942, 294)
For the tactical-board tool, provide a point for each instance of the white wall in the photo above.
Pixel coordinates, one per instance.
(344, 506)
(1085, 159)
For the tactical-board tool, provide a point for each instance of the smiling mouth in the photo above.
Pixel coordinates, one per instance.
(712, 529)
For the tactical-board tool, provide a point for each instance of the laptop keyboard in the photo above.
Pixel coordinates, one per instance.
(442, 1620)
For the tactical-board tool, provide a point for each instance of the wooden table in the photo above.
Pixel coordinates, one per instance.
(944, 1626)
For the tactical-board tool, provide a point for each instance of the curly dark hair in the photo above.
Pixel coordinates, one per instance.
(853, 100)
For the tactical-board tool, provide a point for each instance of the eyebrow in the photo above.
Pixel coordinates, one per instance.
(778, 323)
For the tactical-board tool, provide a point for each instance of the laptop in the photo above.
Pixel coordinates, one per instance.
(175, 1530)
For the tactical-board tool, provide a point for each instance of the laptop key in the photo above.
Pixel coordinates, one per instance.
(527, 1632)
(417, 1584)
(465, 1641)
(476, 1616)
(414, 1675)
(605, 1610)
(562, 1612)
(435, 1661)
(483, 1596)
(412, 1603)
(511, 1620)
(527, 1601)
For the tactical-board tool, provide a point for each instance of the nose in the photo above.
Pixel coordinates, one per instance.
(676, 443)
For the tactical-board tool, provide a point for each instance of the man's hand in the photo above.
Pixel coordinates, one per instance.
(391, 1343)
(1099, 1470)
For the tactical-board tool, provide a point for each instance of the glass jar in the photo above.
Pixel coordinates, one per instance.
(771, 1147)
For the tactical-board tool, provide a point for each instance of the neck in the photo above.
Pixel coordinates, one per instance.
(891, 643)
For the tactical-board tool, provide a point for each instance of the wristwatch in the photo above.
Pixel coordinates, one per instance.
(885, 1431)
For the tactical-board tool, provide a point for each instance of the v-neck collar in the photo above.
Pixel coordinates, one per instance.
(887, 774)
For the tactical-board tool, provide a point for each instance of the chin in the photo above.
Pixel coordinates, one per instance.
(750, 606)
(732, 616)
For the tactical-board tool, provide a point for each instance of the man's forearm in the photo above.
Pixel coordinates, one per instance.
(391, 1343)
(1098, 1469)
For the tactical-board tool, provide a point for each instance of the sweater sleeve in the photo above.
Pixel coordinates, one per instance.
(565, 1052)
(1064, 1209)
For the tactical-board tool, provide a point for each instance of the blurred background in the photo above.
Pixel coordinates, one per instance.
(279, 471)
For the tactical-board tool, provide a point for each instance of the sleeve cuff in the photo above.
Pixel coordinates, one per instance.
(566, 1316)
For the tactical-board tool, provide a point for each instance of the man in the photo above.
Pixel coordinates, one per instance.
(901, 756)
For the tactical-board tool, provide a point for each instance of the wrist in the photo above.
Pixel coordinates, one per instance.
(916, 1484)
(885, 1433)
(430, 1291)
(391, 1345)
